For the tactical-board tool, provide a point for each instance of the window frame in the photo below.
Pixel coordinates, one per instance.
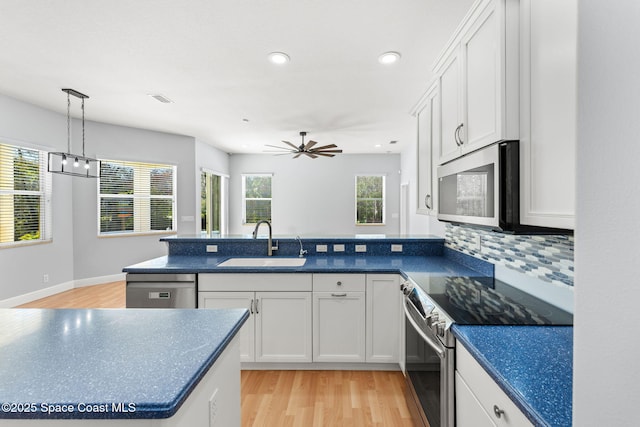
(244, 196)
(44, 192)
(139, 166)
(383, 199)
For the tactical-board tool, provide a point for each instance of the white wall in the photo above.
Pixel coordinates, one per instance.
(606, 347)
(316, 196)
(22, 268)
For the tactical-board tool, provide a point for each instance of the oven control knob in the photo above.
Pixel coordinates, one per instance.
(406, 288)
(433, 319)
(440, 328)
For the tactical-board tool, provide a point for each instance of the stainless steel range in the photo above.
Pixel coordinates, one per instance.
(431, 307)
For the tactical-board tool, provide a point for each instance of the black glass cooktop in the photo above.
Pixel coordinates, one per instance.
(487, 301)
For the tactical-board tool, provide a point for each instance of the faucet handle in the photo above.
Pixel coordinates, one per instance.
(303, 252)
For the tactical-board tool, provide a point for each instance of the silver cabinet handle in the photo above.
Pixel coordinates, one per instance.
(257, 302)
(251, 306)
(426, 201)
(499, 412)
(455, 136)
(339, 295)
(460, 134)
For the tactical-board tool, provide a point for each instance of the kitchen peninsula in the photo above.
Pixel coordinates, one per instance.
(139, 367)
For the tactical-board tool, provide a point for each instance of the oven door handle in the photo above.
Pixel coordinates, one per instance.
(432, 343)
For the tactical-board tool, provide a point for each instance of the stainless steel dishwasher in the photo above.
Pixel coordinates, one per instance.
(161, 290)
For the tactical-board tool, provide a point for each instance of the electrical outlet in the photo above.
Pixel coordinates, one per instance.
(361, 248)
(338, 248)
(213, 408)
(45, 278)
(396, 248)
(212, 248)
(321, 248)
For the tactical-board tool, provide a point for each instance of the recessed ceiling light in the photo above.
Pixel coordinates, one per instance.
(389, 58)
(279, 58)
(378, 145)
(245, 120)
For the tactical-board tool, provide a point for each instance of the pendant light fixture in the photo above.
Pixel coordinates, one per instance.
(69, 163)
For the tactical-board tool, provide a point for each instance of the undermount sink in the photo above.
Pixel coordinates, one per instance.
(263, 262)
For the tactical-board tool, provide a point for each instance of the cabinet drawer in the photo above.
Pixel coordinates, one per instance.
(338, 282)
(265, 282)
(487, 392)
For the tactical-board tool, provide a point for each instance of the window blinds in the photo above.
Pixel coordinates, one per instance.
(25, 195)
(136, 197)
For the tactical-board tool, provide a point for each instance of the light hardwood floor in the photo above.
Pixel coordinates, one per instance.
(285, 398)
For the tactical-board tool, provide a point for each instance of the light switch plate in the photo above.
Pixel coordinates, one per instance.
(361, 248)
(212, 248)
(321, 248)
(338, 248)
(396, 248)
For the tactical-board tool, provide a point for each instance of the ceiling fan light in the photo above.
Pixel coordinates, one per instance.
(279, 58)
(389, 58)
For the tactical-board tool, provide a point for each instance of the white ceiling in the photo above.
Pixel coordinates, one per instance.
(210, 58)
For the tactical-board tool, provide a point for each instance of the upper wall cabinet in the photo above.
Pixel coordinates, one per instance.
(478, 80)
(428, 132)
(548, 112)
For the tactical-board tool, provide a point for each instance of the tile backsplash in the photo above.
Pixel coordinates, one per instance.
(549, 258)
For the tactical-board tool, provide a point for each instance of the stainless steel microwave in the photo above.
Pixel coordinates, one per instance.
(482, 188)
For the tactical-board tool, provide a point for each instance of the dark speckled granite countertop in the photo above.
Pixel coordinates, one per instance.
(533, 365)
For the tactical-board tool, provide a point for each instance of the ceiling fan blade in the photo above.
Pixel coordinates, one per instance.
(316, 151)
(298, 155)
(310, 144)
(292, 146)
(326, 146)
(312, 155)
(279, 147)
(324, 154)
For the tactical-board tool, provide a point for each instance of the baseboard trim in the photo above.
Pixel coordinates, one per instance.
(56, 289)
(80, 283)
(319, 366)
(36, 295)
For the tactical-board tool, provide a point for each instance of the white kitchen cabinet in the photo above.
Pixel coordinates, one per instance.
(383, 316)
(477, 75)
(339, 318)
(428, 128)
(280, 328)
(548, 112)
(479, 400)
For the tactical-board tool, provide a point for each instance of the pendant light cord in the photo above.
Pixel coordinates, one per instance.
(83, 127)
(68, 123)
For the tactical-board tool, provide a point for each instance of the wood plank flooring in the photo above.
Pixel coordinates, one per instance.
(285, 398)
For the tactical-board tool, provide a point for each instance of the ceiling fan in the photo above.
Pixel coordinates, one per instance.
(307, 149)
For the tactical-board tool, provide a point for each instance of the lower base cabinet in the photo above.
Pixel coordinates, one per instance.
(479, 400)
(279, 327)
(338, 327)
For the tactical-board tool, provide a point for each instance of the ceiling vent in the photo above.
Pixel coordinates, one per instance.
(161, 98)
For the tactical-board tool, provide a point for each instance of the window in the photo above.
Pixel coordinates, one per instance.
(370, 191)
(136, 197)
(256, 198)
(213, 212)
(25, 196)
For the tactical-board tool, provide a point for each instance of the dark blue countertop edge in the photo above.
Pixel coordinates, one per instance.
(502, 382)
(329, 239)
(142, 411)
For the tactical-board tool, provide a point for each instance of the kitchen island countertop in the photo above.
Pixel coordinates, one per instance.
(107, 363)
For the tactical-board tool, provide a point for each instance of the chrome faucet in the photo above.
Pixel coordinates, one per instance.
(270, 248)
(303, 251)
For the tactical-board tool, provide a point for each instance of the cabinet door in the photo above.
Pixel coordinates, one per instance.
(383, 317)
(548, 113)
(428, 133)
(450, 103)
(469, 412)
(235, 300)
(339, 327)
(283, 326)
(482, 81)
